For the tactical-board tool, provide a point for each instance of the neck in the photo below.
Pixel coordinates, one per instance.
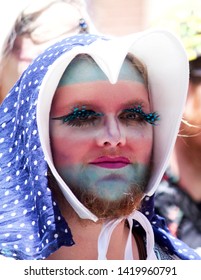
(186, 165)
(85, 235)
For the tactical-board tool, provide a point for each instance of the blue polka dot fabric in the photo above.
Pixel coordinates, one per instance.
(162, 235)
(31, 225)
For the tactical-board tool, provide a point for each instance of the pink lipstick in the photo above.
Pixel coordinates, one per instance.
(111, 162)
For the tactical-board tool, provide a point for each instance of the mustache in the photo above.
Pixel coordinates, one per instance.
(112, 153)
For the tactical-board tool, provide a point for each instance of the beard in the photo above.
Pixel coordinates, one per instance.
(106, 209)
(101, 201)
(103, 206)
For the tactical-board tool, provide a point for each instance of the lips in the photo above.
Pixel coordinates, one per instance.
(111, 162)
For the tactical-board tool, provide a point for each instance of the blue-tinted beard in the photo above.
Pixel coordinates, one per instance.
(107, 193)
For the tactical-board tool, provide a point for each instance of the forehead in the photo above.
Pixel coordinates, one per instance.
(84, 69)
(83, 82)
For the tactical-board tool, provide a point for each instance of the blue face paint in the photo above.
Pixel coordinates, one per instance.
(84, 69)
(107, 184)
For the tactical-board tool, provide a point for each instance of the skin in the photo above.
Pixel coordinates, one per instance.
(188, 149)
(24, 51)
(109, 136)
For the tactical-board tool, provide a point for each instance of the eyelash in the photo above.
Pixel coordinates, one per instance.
(80, 117)
(150, 118)
(85, 117)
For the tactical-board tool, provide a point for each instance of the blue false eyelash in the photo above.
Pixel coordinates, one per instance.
(79, 113)
(151, 118)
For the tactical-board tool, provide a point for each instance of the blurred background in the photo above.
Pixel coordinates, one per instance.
(124, 16)
(117, 17)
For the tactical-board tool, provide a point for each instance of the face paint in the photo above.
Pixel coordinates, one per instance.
(151, 118)
(101, 137)
(80, 117)
(108, 184)
(83, 116)
(108, 188)
(89, 72)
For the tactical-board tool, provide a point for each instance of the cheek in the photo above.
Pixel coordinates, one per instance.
(63, 151)
(192, 108)
(67, 147)
(141, 144)
(11, 67)
(145, 150)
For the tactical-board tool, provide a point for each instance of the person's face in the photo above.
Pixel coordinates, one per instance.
(24, 51)
(192, 114)
(29, 46)
(101, 139)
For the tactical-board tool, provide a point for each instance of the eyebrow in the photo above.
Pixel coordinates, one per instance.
(134, 102)
(123, 105)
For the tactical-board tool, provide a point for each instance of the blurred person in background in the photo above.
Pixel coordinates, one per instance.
(178, 198)
(30, 28)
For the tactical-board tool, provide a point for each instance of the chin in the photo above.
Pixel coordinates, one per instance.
(106, 209)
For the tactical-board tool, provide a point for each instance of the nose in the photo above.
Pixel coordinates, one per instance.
(111, 134)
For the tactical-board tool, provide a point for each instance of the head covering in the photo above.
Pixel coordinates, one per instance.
(31, 224)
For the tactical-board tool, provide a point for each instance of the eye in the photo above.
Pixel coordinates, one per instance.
(130, 117)
(136, 114)
(81, 118)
